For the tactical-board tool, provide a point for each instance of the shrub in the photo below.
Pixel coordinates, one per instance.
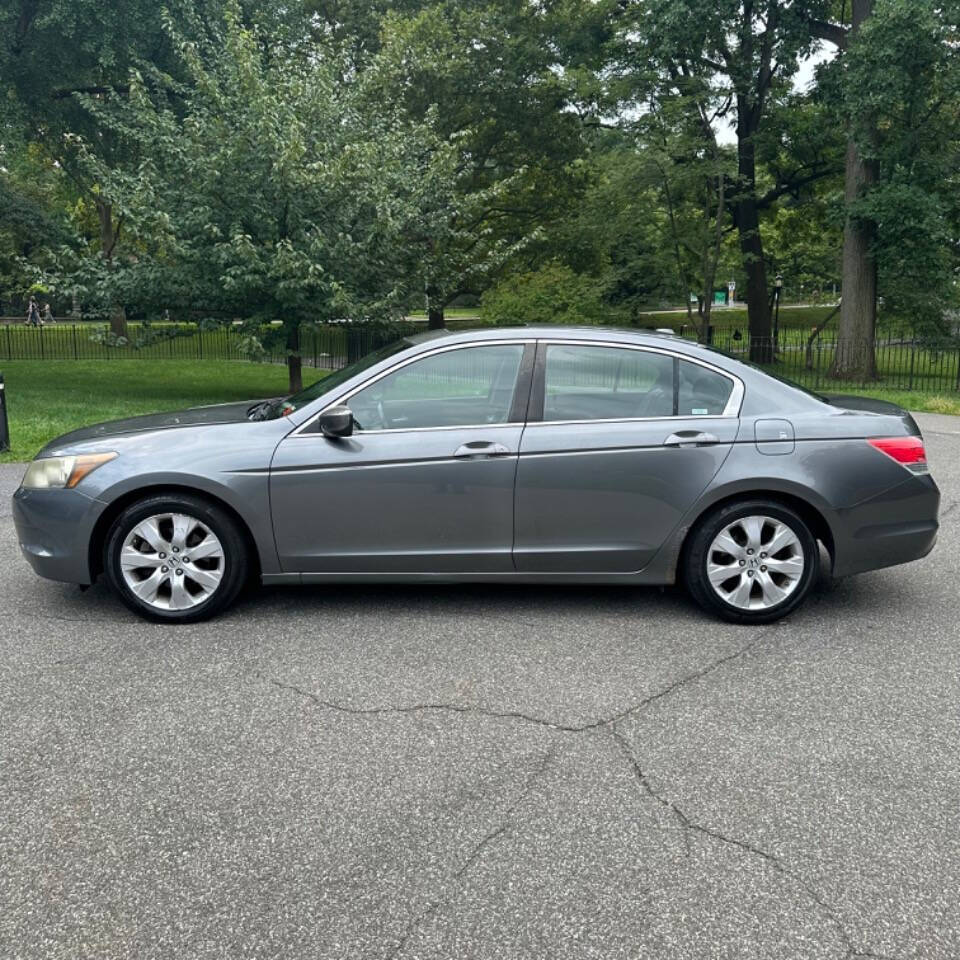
(552, 294)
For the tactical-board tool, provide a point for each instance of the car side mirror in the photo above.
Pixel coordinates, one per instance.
(336, 422)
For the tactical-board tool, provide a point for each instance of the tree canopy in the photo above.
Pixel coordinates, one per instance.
(257, 161)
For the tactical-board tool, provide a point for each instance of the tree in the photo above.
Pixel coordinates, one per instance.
(33, 218)
(900, 87)
(484, 71)
(731, 56)
(270, 187)
(40, 103)
(858, 313)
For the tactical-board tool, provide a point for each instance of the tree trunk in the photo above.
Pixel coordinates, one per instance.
(108, 241)
(711, 264)
(855, 357)
(118, 320)
(815, 332)
(435, 305)
(751, 243)
(435, 318)
(294, 360)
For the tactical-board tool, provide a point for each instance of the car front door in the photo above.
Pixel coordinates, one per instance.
(424, 485)
(620, 443)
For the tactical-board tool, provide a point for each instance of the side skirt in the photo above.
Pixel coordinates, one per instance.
(646, 578)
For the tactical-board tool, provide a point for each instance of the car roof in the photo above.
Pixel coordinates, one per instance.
(637, 336)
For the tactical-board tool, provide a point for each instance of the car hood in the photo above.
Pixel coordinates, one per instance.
(194, 416)
(873, 405)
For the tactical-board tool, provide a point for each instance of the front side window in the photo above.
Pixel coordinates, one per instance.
(471, 386)
(606, 383)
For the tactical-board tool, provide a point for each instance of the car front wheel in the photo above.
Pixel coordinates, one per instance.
(175, 558)
(752, 562)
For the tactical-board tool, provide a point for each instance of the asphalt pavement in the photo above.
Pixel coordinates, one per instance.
(484, 772)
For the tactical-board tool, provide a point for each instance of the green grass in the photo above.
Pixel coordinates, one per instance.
(450, 313)
(730, 318)
(48, 398)
(916, 400)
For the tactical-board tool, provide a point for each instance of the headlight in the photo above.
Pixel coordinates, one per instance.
(58, 472)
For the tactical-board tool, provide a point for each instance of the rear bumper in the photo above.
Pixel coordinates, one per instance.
(898, 526)
(54, 529)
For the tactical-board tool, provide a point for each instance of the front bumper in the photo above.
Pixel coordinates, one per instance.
(898, 526)
(54, 528)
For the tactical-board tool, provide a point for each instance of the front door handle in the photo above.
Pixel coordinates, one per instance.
(690, 438)
(480, 450)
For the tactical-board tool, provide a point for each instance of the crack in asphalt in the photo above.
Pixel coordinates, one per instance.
(554, 725)
(951, 508)
(430, 708)
(478, 849)
(687, 824)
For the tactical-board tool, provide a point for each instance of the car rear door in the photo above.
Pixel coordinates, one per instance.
(425, 484)
(620, 443)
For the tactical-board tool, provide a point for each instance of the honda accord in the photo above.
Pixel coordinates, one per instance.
(524, 455)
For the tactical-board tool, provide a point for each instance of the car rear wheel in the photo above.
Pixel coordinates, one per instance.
(175, 558)
(751, 562)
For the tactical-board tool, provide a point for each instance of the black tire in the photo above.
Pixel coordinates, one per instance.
(235, 555)
(695, 559)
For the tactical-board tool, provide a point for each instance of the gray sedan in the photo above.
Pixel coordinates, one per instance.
(525, 455)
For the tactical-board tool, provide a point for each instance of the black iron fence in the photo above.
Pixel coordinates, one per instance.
(895, 360)
(325, 346)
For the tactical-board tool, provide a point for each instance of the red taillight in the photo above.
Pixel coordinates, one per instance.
(907, 451)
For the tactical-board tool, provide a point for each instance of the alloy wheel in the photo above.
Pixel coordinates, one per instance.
(755, 563)
(172, 561)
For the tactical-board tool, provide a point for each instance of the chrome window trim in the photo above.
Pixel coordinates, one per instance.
(730, 411)
(303, 429)
(671, 419)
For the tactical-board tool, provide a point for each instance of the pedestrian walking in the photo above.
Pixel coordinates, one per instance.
(33, 314)
(48, 314)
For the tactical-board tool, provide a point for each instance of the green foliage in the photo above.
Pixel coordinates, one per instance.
(484, 73)
(902, 89)
(306, 160)
(552, 294)
(269, 188)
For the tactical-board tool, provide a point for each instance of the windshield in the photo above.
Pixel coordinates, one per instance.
(283, 408)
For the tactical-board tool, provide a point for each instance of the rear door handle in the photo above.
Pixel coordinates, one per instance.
(480, 450)
(690, 438)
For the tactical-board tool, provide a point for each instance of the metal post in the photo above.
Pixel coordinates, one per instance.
(4, 425)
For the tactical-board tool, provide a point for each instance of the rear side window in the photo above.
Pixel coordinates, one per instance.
(701, 392)
(606, 383)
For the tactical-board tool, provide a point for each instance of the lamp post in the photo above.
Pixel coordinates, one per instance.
(777, 291)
